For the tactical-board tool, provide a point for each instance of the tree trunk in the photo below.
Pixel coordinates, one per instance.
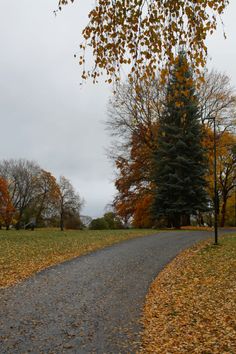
(19, 220)
(169, 222)
(200, 221)
(62, 222)
(176, 221)
(223, 212)
(185, 220)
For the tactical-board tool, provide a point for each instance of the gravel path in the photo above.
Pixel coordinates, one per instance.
(91, 304)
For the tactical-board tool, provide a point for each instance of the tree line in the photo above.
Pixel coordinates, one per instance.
(31, 196)
(164, 146)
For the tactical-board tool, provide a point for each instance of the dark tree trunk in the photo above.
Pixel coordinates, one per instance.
(62, 222)
(40, 210)
(200, 221)
(19, 220)
(169, 222)
(223, 212)
(176, 221)
(185, 220)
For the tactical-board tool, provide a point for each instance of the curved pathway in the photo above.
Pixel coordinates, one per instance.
(91, 304)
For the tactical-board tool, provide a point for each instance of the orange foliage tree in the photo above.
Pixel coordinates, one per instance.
(134, 117)
(142, 216)
(226, 168)
(134, 184)
(133, 122)
(33, 195)
(7, 209)
(231, 209)
(47, 195)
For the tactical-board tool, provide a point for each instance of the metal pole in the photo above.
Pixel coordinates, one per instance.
(215, 188)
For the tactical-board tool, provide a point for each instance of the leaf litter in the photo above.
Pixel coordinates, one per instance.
(24, 252)
(191, 305)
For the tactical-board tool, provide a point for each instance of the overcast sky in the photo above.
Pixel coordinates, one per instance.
(45, 114)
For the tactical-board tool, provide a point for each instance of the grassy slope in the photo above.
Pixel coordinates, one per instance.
(22, 253)
(191, 306)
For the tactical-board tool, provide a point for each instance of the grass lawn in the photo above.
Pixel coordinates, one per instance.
(191, 306)
(23, 253)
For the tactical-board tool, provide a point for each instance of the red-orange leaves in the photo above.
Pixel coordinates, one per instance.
(7, 209)
(134, 185)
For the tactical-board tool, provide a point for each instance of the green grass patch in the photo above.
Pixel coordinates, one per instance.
(24, 252)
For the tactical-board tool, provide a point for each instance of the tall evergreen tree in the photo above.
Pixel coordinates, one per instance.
(179, 161)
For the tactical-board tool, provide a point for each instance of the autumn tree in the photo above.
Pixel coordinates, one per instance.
(133, 120)
(36, 197)
(217, 100)
(227, 172)
(142, 216)
(133, 183)
(21, 176)
(146, 35)
(180, 165)
(231, 209)
(226, 168)
(46, 195)
(134, 114)
(69, 202)
(7, 209)
(133, 117)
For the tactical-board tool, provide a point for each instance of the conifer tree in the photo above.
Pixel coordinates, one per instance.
(179, 160)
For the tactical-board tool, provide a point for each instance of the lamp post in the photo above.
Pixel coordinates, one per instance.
(215, 188)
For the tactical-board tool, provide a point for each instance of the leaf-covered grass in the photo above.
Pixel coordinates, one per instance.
(23, 253)
(191, 306)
